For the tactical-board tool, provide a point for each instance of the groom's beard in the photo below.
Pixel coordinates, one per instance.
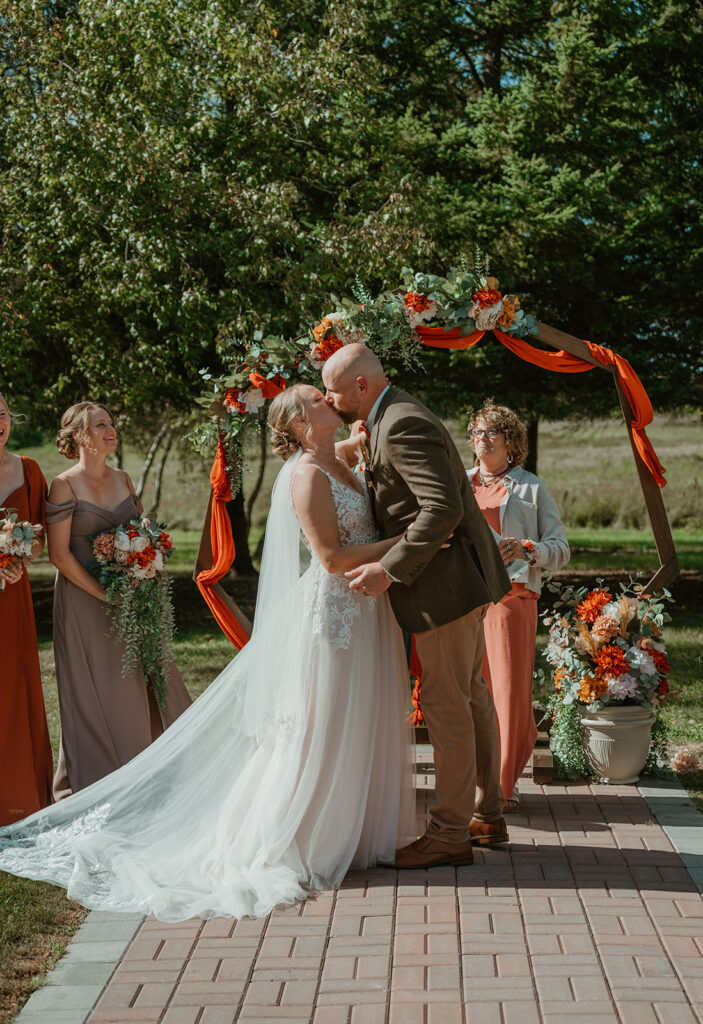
(346, 415)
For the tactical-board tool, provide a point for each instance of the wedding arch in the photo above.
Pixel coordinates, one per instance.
(452, 312)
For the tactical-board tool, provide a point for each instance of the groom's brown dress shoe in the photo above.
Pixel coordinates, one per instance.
(488, 833)
(430, 852)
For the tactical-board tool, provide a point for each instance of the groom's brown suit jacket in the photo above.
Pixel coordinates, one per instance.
(420, 486)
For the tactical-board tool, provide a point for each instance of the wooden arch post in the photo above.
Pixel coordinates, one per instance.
(668, 562)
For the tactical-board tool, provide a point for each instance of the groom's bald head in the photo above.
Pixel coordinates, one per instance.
(354, 378)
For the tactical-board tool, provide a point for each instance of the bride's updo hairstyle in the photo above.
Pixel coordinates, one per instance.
(73, 432)
(284, 408)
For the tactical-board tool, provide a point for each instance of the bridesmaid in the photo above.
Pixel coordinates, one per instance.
(106, 718)
(25, 751)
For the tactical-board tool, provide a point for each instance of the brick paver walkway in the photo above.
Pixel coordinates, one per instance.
(587, 916)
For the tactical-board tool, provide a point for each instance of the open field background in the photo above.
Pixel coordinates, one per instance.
(587, 466)
(589, 470)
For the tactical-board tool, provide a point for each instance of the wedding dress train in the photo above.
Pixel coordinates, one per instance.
(293, 765)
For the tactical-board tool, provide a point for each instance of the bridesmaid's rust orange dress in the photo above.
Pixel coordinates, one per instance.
(25, 750)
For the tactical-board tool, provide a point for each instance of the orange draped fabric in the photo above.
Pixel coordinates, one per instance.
(221, 540)
(222, 553)
(563, 362)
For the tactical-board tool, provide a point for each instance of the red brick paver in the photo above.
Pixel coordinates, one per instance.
(587, 916)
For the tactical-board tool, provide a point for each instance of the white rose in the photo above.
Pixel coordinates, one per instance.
(622, 686)
(641, 660)
(487, 318)
(121, 541)
(121, 555)
(314, 357)
(139, 543)
(253, 399)
(137, 572)
(158, 562)
(146, 523)
(149, 571)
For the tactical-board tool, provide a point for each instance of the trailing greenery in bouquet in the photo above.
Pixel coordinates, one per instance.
(605, 650)
(16, 540)
(129, 563)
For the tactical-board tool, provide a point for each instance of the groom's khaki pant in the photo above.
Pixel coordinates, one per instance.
(461, 723)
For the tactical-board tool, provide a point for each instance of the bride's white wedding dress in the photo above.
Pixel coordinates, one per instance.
(293, 765)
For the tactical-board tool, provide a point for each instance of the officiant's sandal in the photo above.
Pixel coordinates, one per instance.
(431, 852)
(488, 833)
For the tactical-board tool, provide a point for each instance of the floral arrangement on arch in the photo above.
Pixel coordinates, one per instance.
(605, 649)
(467, 299)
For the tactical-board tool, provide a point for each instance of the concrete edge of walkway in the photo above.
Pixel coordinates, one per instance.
(682, 822)
(75, 985)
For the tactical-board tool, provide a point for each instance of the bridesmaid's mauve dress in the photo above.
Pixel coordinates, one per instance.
(105, 716)
(25, 750)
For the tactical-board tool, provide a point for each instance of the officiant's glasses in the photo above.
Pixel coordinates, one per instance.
(490, 433)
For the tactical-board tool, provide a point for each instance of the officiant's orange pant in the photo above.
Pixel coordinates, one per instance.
(461, 723)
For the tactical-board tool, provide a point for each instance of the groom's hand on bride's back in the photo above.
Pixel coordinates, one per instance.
(372, 579)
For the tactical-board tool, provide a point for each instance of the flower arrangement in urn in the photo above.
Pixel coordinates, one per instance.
(607, 651)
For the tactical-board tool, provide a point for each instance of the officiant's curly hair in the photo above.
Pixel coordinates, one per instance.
(74, 430)
(283, 410)
(500, 417)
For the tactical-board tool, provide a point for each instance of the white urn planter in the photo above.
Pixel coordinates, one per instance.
(616, 741)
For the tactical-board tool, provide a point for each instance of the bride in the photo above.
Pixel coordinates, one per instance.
(294, 763)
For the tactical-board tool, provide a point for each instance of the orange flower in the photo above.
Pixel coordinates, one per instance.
(165, 541)
(663, 687)
(661, 662)
(559, 676)
(487, 297)
(611, 661)
(328, 346)
(590, 607)
(323, 330)
(232, 399)
(591, 688)
(6, 560)
(417, 301)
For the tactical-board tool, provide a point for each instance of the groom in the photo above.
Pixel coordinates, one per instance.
(418, 483)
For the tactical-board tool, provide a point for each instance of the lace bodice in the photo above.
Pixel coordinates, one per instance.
(332, 605)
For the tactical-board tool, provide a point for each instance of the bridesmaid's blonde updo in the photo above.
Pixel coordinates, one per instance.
(284, 408)
(73, 432)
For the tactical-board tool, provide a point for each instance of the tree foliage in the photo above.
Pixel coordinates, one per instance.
(174, 177)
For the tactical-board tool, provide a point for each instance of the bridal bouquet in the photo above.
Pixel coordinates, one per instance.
(129, 562)
(605, 649)
(16, 540)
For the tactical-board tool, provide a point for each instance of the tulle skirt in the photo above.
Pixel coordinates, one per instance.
(243, 804)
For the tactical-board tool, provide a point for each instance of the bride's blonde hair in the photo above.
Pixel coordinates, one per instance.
(284, 408)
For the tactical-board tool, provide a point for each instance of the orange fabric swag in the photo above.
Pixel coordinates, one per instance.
(221, 553)
(563, 362)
